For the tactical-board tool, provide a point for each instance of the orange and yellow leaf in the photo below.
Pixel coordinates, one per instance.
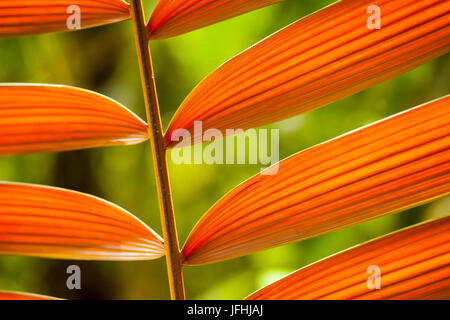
(23, 17)
(322, 58)
(47, 118)
(389, 166)
(171, 18)
(56, 223)
(411, 264)
(10, 295)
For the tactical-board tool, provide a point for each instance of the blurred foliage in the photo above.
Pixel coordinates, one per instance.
(104, 59)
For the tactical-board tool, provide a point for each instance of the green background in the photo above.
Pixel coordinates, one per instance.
(104, 59)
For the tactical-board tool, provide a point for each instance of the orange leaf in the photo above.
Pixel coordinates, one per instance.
(387, 167)
(409, 264)
(171, 18)
(46, 118)
(9, 295)
(56, 223)
(322, 58)
(21, 17)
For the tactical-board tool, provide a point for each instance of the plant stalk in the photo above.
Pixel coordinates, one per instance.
(158, 145)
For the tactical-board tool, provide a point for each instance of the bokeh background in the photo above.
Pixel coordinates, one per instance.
(104, 59)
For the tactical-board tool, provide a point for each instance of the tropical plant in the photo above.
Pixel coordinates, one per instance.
(386, 167)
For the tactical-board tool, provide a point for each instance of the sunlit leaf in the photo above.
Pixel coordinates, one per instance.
(389, 166)
(46, 118)
(56, 223)
(10, 295)
(22, 17)
(408, 264)
(171, 18)
(315, 61)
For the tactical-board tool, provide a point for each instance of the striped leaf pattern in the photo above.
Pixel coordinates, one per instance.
(56, 223)
(49, 118)
(410, 264)
(387, 167)
(23, 17)
(171, 18)
(322, 58)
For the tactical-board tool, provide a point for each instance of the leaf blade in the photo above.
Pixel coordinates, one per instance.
(15, 296)
(319, 59)
(51, 222)
(49, 118)
(386, 167)
(25, 17)
(172, 18)
(413, 264)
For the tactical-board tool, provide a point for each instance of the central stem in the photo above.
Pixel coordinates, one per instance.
(173, 255)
